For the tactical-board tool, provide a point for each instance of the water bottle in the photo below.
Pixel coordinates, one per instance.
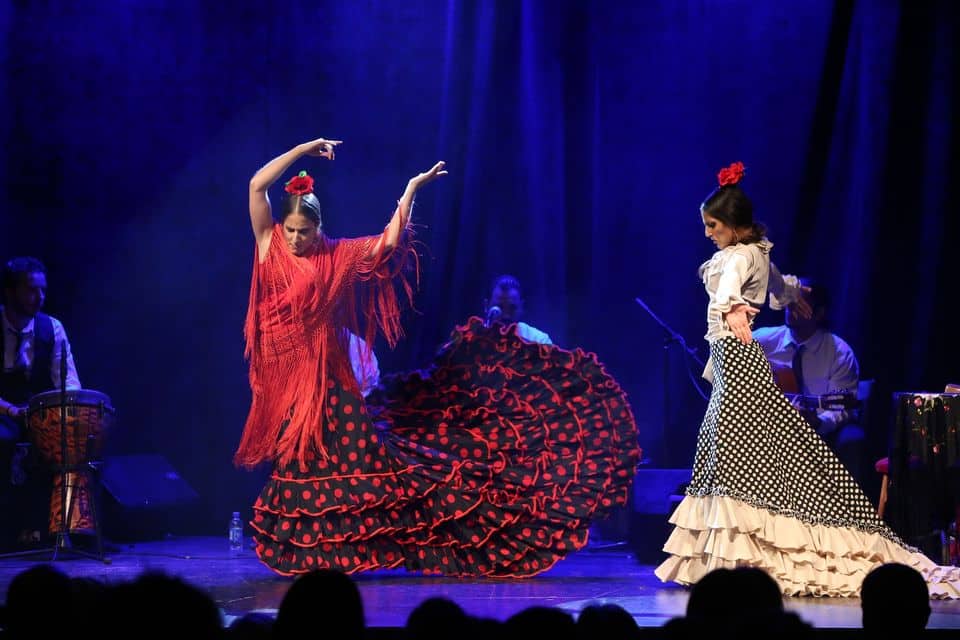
(236, 534)
(953, 555)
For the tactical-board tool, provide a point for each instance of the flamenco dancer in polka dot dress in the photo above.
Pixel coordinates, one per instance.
(493, 462)
(766, 490)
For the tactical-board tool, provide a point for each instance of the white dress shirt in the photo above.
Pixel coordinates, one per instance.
(27, 348)
(532, 334)
(366, 369)
(828, 364)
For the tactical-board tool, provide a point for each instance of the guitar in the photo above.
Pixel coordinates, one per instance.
(834, 401)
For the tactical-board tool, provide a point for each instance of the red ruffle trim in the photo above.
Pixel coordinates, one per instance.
(492, 462)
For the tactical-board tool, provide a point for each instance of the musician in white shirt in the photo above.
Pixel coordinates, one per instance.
(29, 336)
(505, 295)
(31, 349)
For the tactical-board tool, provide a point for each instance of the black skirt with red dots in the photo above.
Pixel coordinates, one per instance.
(491, 462)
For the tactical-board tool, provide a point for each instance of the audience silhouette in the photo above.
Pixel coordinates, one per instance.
(27, 613)
(895, 601)
(436, 619)
(542, 622)
(323, 602)
(251, 626)
(745, 602)
(608, 621)
(184, 610)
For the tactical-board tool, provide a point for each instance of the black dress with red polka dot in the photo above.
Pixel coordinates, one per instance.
(493, 461)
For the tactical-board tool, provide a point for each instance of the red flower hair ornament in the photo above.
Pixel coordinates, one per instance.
(731, 175)
(299, 185)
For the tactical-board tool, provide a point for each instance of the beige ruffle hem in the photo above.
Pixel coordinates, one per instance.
(805, 559)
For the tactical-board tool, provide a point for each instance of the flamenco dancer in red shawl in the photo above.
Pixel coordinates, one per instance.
(501, 479)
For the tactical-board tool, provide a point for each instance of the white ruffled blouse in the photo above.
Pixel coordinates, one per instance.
(742, 274)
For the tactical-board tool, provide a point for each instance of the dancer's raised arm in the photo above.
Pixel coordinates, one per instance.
(401, 217)
(261, 217)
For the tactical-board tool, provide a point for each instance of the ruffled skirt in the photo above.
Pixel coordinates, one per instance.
(768, 492)
(492, 462)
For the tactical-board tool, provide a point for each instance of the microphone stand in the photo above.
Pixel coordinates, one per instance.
(63, 535)
(672, 338)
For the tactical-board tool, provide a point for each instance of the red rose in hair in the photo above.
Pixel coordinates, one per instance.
(300, 185)
(731, 175)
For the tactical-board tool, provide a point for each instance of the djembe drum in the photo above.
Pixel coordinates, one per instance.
(70, 446)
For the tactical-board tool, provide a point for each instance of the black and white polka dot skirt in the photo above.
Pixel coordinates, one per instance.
(755, 447)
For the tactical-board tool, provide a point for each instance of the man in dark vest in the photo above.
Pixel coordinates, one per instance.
(30, 353)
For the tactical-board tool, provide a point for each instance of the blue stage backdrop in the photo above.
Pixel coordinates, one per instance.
(580, 139)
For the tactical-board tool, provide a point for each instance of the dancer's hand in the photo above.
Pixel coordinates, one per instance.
(738, 319)
(428, 176)
(321, 147)
(800, 306)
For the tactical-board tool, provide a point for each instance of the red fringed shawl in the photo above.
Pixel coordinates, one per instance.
(299, 312)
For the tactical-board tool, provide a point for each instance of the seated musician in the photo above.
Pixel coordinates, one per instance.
(30, 354)
(505, 296)
(811, 362)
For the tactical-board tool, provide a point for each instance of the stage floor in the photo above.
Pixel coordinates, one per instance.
(241, 584)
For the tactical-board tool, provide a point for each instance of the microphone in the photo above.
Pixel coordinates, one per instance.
(493, 314)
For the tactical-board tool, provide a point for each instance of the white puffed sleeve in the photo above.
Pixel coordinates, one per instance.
(783, 289)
